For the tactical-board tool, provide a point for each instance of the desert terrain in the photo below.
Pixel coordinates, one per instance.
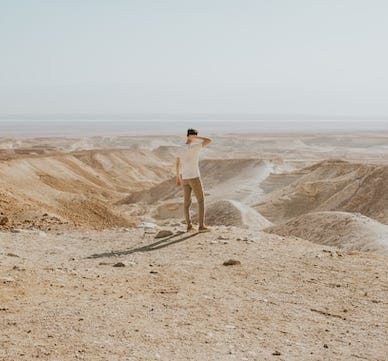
(295, 266)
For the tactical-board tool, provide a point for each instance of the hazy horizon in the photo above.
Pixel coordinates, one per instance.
(85, 129)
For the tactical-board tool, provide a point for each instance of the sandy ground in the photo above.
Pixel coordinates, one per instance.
(63, 299)
(71, 213)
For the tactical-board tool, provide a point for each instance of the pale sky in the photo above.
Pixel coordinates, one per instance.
(321, 57)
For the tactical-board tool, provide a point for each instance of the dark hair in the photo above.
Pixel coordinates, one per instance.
(192, 131)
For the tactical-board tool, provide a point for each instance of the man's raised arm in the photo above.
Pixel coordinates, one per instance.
(205, 140)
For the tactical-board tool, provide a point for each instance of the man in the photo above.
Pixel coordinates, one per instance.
(187, 173)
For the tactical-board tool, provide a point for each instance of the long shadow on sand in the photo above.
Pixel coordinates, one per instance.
(165, 242)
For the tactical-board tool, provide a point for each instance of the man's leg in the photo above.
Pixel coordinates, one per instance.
(196, 184)
(187, 201)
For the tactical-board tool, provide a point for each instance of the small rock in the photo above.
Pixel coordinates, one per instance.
(245, 239)
(3, 220)
(231, 262)
(276, 353)
(7, 279)
(163, 233)
(17, 268)
(119, 264)
(325, 345)
(230, 327)
(147, 225)
(12, 255)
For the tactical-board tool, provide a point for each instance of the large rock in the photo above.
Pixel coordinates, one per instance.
(164, 233)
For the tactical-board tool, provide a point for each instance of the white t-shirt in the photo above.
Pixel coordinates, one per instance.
(189, 156)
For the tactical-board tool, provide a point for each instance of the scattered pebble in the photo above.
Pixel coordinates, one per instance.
(119, 264)
(3, 220)
(12, 255)
(147, 225)
(230, 327)
(17, 268)
(231, 262)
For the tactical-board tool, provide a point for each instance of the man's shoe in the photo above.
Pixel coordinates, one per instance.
(191, 228)
(203, 229)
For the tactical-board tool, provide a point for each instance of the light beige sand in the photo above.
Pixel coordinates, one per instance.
(70, 210)
(175, 300)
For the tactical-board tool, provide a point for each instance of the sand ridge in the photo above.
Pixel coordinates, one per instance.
(349, 231)
(329, 186)
(78, 188)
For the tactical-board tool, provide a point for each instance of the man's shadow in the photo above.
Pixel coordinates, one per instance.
(150, 247)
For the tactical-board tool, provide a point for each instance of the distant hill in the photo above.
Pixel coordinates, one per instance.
(330, 186)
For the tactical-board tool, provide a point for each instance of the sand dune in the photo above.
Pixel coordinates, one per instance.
(345, 230)
(79, 188)
(90, 188)
(330, 185)
(237, 179)
(225, 212)
(229, 212)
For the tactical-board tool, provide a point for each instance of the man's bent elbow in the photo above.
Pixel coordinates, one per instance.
(206, 142)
